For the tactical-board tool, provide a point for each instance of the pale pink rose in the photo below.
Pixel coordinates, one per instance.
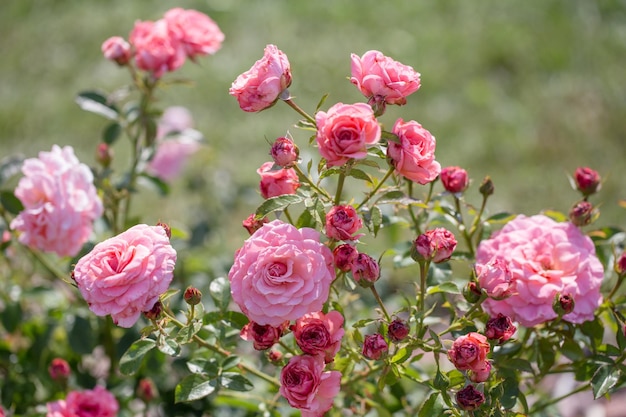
(174, 120)
(545, 258)
(97, 402)
(259, 87)
(170, 157)
(60, 202)
(379, 76)
(116, 49)
(275, 182)
(155, 49)
(197, 32)
(281, 273)
(345, 131)
(414, 156)
(124, 275)
(319, 334)
(495, 278)
(342, 223)
(307, 387)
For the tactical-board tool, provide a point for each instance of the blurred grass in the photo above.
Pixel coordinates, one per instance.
(523, 92)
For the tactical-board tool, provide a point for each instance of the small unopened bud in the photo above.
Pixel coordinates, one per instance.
(365, 270)
(435, 245)
(582, 213)
(168, 230)
(146, 390)
(251, 224)
(59, 369)
(587, 180)
(104, 154)
(116, 49)
(454, 179)
(472, 292)
(469, 398)
(284, 152)
(192, 296)
(375, 346)
(155, 312)
(620, 264)
(344, 256)
(398, 330)
(563, 304)
(275, 356)
(486, 188)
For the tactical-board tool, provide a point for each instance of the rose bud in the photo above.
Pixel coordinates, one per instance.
(582, 213)
(587, 180)
(155, 312)
(275, 182)
(398, 330)
(262, 336)
(342, 222)
(104, 154)
(375, 346)
(563, 304)
(500, 328)
(274, 356)
(472, 292)
(454, 179)
(469, 351)
(146, 390)
(319, 334)
(59, 369)
(116, 49)
(496, 278)
(192, 296)
(344, 255)
(480, 373)
(435, 245)
(284, 152)
(620, 264)
(486, 188)
(251, 224)
(168, 230)
(469, 398)
(365, 270)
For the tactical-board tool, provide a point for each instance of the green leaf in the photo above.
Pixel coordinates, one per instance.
(441, 382)
(131, 360)
(169, 293)
(603, 380)
(194, 387)
(111, 133)
(96, 103)
(329, 172)
(186, 334)
(456, 377)
(219, 289)
(9, 167)
(169, 346)
(446, 287)
(510, 394)
(81, 336)
(572, 350)
(433, 406)
(321, 102)
(235, 382)
(595, 331)
(10, 202)
(12, 316)
(236, 319)
(156, 183)
(360, 175)
(402, 355)
(207, 367)
(230, 362)
(500, 218)
(277, 203)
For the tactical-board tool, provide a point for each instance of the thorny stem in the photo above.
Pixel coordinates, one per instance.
(342, 178)
(375, 190)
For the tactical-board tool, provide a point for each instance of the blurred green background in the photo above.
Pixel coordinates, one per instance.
(522, 91)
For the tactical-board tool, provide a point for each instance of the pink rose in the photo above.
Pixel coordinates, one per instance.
(379, 76)
(170, 157)
(344, 256)
(281, 273)
(284, 152)
(469, 398)
(155, 49)
(59, 369)
(587, 180)
(60, 202)
(275, 182)
(414, 156)
(500, 329)
(436, 245)
(196, 32)
(545, 258)
(124, 276)
(263, 336)
(342, 222)
(469, 352)
(496, 279)
(116, 49)
(319, 334)
(174, 120)
(398, 330)
(345, 131)
(365, 270)
(97, 402)
(374, 346)
(307, 387)
(259, 87)
(454, 179)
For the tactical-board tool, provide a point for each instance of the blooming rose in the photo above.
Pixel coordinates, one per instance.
(306, 387)
(365, 270)
(495, 278)
(124, 275)
(275, 182)
(469, 352)
(281, 273)
(284, 152)
(116, 49)
(155, 49)
(263, 336)
(259, 87)
(97, 402)
(319, 334)
(587, 180)
(379, 76)
(545, 258)
(60, 202)
(342, 222)
(374, 346)
(500, 328)
(345, 131)
(344, 256)
(414, 156)
(197, 33)
(175, 119)
(436, 245)
(454, 179)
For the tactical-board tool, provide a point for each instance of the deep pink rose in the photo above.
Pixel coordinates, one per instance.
(620, 264)
(495, 278)
(275, 182)
(319, 334)
(59, 369)
(124, 275)
(379, 76)
(587, 180)
(259, 87)
(60, 202)
(374, 346)
(469, 352)
(365, 270)
(263, 336)
(582, 213)
(398, 330)
(545, 258)
(281, 273)
(342, 223)
(284, 152)
(436, 245)
(344, 256)
(97, 402)
(469, 398)
(500, 328)
(196, 32)
(345, 131)
(307, 387)
(414, 156)
(116, 49)
(155, 49)
(454, 179)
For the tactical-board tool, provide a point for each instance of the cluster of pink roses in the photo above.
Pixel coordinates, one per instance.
(97, 402)
(163, 46)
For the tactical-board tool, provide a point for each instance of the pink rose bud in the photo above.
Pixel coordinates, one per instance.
(480, 373)
(275, 356)
(344, 256)
(262, 336)
(472, 292)
(582, 213)
(469, 398)
(155, 312)
(620, 264)
(563, 304)
(319, 334)
(469, 351)
(398, 330)
(147, 390)
(192, 296)
(454, 179)
(275, 182)
(104, 154)
(59, 369)
(500, 328)
(365, 270)
(496, 278)
(284, 152)
(435, 245)
(486, 188)
(251, 224)
(375, 346)
(587, 180)
(342, 222)
(116, 49)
